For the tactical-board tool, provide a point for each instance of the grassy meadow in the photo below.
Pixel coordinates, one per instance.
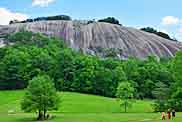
(76, 107)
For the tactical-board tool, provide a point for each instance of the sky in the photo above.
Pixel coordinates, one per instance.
(164, 15)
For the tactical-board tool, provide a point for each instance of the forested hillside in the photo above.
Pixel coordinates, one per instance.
(31, 54)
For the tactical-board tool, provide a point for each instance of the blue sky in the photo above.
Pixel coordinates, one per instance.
(165, 15)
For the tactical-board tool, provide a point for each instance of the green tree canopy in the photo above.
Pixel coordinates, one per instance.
(40, 96)
(154, 31)
(125, 93)
(177, 68)
(111, 20)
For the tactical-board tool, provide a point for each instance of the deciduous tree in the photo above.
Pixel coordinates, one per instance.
(40, 96)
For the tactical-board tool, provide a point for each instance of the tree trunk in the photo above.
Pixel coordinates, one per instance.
(39, 115)
(125, 107)
(45, 114)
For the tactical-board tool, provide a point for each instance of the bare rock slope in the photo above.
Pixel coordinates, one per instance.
(92, 37)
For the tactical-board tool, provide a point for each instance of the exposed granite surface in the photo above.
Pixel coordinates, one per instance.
(90, 37)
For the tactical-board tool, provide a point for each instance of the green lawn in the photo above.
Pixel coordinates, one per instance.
(91, 117)
(77, 107)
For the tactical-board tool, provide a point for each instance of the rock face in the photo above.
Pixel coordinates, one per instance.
(93, 37)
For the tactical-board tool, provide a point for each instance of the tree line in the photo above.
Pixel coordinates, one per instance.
(159, 33)
(58, 17)
(33, 54)
(111, 20)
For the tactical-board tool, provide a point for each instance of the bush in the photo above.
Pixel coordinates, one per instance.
(161, 34)
(111, 20)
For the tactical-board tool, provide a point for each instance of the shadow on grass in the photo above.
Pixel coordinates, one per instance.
(26, 120)
(34, 119)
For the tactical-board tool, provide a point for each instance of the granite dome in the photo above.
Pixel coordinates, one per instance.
(91, 37)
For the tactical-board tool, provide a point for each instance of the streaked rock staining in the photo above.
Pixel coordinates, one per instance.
(95, 37)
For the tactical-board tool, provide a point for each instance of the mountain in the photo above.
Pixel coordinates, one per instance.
(97, 38)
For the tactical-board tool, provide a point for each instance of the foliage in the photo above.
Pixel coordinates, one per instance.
(58, 17)
(111, 53)
(171, 97)
(111, 20)
(32, 54)
(125, 94)
(161, 91)
(161, 34)
(176, 67)
(176, 88)
(161, 94)
(24, 60)
(149, 29)
(176, 100)
(40, 96)
(160, 105)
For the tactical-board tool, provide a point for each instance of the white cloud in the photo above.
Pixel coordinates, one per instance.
(180, 30)
(41, 3)
(6, 15)
(170, 20)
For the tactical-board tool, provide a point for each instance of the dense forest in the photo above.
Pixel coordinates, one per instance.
(31, 54)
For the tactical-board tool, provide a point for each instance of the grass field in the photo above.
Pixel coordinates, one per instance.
(77, 107)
